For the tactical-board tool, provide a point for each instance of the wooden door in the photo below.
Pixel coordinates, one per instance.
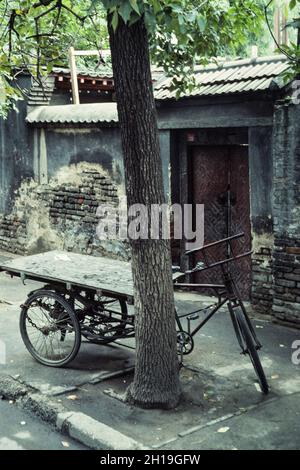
(215, 170)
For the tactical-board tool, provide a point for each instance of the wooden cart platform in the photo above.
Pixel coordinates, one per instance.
(104, 275)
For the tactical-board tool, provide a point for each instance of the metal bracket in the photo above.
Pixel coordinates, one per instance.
(130, 300)
(23, 278)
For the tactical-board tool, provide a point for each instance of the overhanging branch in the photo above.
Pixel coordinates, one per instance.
(279, 47)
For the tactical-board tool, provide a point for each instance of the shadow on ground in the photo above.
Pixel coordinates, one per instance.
(222, 406)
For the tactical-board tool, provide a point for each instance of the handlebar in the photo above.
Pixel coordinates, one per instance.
(233, 237)
(219, 263)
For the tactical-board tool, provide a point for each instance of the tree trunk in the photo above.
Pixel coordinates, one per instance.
(156, 380)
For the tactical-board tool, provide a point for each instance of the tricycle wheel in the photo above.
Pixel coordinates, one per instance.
(108, 323)
(50, 329)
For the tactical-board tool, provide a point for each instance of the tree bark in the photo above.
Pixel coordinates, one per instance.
(156, 379)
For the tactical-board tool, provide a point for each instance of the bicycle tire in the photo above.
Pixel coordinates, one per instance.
(251, 350)
(26, 339)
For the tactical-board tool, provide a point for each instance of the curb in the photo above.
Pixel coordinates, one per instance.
(79, 426)
(93, 433)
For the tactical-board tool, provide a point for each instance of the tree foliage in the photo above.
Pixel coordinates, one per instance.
(291, 50)
(36, 35)
(185, 32)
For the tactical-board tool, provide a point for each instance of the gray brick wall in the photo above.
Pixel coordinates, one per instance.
(286, 209)
(262, 281)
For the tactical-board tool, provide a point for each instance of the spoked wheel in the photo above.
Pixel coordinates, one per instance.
(50, 329)
(251, 350)
(107, 322)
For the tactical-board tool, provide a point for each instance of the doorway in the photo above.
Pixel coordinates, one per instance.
(219, 179)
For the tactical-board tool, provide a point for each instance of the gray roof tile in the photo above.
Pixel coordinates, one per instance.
(96, 113)
(231, 77)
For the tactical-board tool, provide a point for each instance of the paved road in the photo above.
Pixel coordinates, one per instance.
(21, 431)
(219, 384)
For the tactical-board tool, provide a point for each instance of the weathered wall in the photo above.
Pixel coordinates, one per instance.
(261, 183)
(16, 156)
(71, 146)
(56, 147)
(216, 112)
(62, 214)
(59, 146)
(31, 158)
(286, 175)
(49, 214)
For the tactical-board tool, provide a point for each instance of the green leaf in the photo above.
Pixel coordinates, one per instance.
(201, 20)
(109, 4)
(191, 16)
(49, 67)
(293, 4)
(135, 6)
(294, 24)
(134, 18)
(150, 20)
(115, 20)
(181, 19)
(125, 11)
(156, 6)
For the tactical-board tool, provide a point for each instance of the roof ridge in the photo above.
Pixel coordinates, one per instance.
(223, 64)
(238, 80)
(105, 112)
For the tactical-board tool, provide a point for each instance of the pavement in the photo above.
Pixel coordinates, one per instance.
(221, 408)
(21, 430)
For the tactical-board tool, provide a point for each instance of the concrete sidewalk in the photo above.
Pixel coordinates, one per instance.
(222, 406)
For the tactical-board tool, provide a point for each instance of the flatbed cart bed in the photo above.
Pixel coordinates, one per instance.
(103, 275)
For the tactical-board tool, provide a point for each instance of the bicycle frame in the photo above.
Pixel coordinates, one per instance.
(227, 292)
(203, 322)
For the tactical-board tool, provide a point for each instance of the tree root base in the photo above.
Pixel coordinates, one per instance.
(168, 403)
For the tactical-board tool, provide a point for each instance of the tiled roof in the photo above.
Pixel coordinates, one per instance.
(102, 72)
(41, 93)
(239, 76)
(104, 113)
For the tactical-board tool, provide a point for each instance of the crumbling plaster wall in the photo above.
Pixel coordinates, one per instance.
(63, 145)
(62, 213)
(31, 162)
(16, 154)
